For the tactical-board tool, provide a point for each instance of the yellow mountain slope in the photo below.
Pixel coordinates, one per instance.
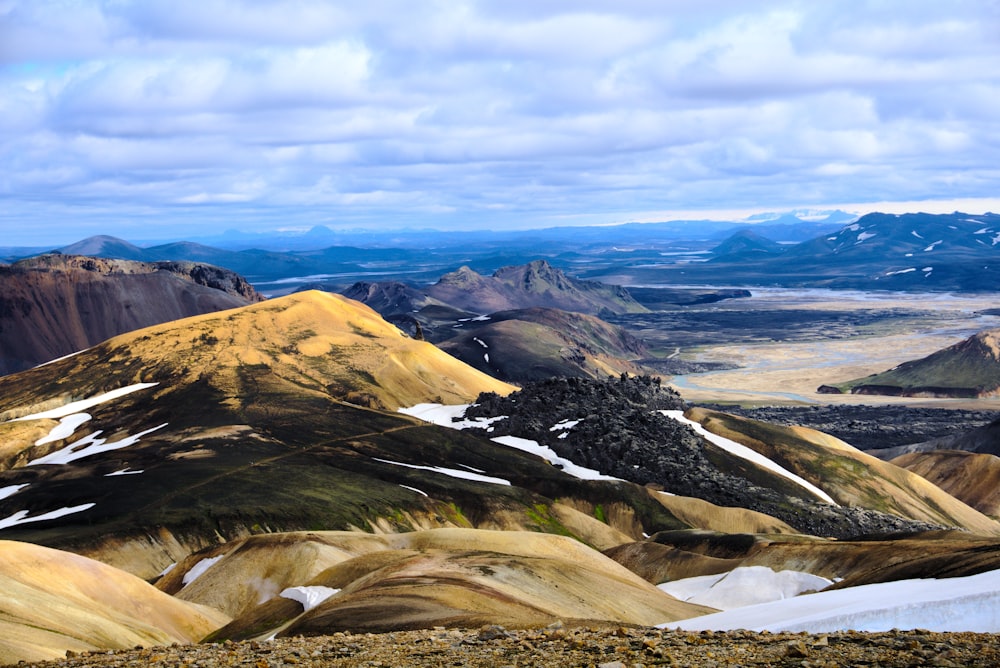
(311, 342)
(848, 475)
(55, 601)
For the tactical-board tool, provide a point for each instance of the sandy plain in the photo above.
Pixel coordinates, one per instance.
(789, 372)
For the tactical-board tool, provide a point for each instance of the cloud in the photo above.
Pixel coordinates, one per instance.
(484, 110)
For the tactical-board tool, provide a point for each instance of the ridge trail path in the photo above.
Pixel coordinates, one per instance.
(292, 452)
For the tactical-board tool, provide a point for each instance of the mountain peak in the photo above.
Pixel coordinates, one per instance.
(105, 246)
(536, 284)
(309, 341)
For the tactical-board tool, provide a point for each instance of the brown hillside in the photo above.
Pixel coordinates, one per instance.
(54, 305)
(970, 477)
(539, 343)
(309, 342)
(970, 368)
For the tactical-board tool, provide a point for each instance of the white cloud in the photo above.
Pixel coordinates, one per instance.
(538, 110)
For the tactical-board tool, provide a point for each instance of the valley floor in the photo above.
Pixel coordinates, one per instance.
(607, 647)
(788, 365)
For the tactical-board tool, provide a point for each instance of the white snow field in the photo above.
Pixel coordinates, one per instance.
(88, 446)
(948, 605)
(199, 569)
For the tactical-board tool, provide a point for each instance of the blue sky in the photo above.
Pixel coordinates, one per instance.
(175, 118)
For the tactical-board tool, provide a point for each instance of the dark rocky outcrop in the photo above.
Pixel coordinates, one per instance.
(620, 433)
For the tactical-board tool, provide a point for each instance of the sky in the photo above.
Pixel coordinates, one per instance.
(156, 119)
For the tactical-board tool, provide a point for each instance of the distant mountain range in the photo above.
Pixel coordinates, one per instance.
(909, 252)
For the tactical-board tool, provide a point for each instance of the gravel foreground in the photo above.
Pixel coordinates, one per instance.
(557, 645)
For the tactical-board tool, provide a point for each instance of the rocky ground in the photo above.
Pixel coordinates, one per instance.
(559, 645)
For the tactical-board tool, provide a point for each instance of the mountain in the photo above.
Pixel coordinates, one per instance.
(970, 368)
(851, 477)
(54, 305)
(745, 245)
(106, 247)
(536, 284)
(55, 601)
(537, 343)
(390, 298)
(908, 251)
(515, 344)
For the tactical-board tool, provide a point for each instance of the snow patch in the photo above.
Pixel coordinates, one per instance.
(199, 569)
(454, 473)
(84, 404)
(545, 452)
(853, 228)
(749, 454)
(864, 236)
(11, 490)
(124, 471)
(21, 516)
(414, 489)
(480, 341)
(447, 416)
(65, 428)
(901, 271)
(747, 585)
(933, 245)
(914, 233)
(88, 446)
(308, 597)
(565, 424)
